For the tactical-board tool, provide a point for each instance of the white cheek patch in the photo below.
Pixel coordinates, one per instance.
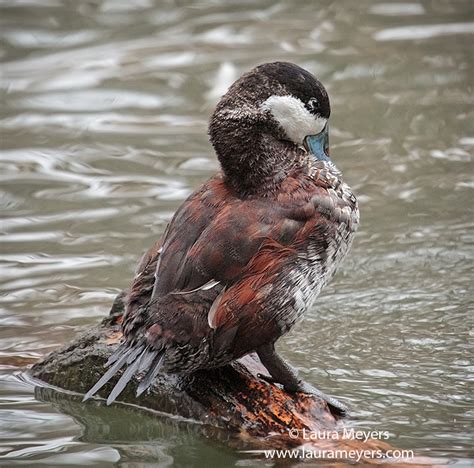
(293, 117)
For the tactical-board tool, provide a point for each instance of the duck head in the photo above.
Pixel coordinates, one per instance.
(267, 122)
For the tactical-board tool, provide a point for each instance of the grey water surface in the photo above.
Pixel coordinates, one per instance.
(103, 134)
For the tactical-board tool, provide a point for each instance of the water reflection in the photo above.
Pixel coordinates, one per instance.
(104, 134)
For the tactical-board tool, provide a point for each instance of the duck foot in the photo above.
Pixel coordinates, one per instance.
(282, 373)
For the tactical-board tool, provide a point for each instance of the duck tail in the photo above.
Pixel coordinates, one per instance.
(138, 358)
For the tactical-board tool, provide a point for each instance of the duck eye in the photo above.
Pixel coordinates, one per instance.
(313, 104)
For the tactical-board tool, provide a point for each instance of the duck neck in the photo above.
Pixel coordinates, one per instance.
(253, 160)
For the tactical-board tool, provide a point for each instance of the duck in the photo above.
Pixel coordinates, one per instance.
(248, 252)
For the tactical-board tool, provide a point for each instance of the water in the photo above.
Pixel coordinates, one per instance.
(104, 115)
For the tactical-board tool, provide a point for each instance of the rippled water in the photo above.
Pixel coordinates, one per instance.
(103, 118)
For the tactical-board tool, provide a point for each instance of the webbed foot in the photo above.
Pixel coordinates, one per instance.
(335, 406)
(282, 373)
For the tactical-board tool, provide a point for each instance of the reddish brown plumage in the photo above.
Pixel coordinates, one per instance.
(248, 246)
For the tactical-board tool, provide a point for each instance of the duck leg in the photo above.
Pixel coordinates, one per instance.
(282, 373)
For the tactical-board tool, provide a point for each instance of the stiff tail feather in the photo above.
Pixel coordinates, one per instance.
(151, 374)
(138, 358)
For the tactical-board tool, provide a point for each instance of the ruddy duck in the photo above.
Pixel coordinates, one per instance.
(249, 251)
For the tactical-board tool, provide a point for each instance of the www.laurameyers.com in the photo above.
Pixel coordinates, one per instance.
(338, 454)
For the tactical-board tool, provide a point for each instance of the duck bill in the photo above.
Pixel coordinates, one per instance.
(318, 145)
